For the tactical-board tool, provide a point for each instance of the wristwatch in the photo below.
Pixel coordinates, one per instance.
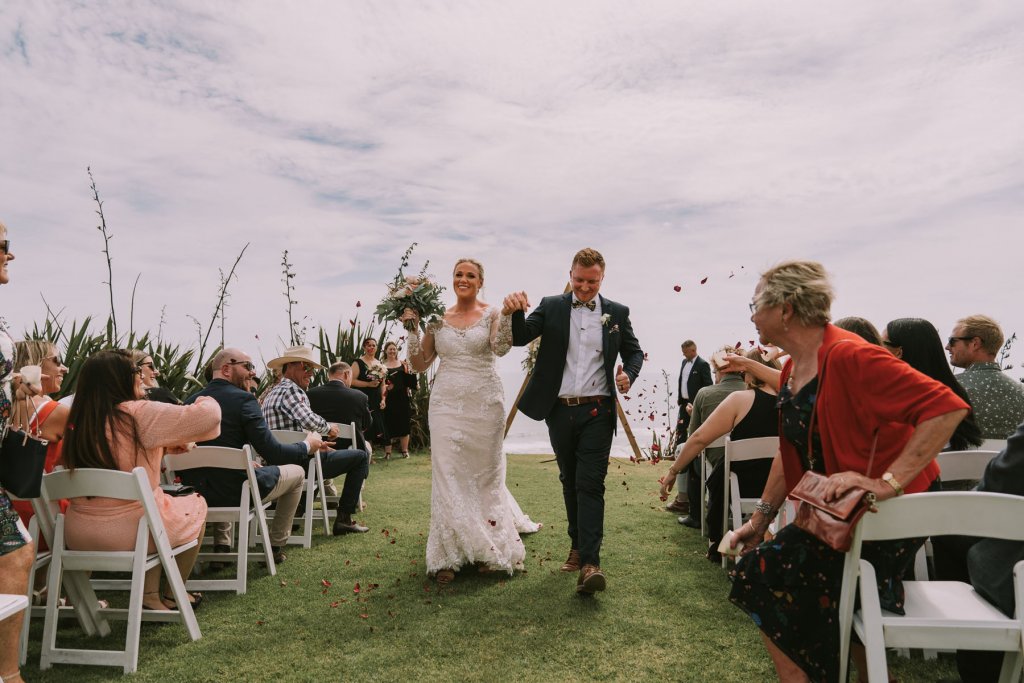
(891, 481)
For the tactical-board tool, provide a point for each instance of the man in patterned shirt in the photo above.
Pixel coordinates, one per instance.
(997, 399)
(286, 406)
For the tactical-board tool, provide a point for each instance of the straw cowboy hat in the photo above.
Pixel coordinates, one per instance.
(295, 354)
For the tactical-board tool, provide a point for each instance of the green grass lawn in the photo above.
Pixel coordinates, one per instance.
(664, 617)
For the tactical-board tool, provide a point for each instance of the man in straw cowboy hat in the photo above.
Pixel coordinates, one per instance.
(286, 406)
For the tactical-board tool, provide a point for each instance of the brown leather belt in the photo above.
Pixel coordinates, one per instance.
(580, 400)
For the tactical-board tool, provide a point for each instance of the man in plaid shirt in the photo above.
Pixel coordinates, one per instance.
(286, 406)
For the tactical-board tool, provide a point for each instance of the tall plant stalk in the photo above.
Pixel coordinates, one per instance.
(102, 227)
(222, 295)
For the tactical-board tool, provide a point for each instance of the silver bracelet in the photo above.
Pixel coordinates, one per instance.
(766, 508)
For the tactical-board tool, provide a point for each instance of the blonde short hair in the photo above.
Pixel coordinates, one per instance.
(984, 328)
(32, 352)
(588, 257)
(804, 285)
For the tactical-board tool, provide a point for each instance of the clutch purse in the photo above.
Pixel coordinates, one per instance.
(832, 523)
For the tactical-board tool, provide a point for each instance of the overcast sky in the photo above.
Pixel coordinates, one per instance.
(684, 140)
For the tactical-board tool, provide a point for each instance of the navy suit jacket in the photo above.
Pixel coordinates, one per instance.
(336, 402)
(242, 423)
(990, 561)
(551, 319)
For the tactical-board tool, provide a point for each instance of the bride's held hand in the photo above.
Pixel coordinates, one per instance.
(409, 314)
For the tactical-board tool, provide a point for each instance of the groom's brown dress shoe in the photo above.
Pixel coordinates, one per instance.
(573, 563)
(591, 580)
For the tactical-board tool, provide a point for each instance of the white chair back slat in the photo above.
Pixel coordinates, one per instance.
(314, 490)
(741, 450)
(964, 465)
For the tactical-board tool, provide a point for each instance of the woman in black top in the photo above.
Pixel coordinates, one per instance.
(368, 377)
(745, 414)
(401, 383)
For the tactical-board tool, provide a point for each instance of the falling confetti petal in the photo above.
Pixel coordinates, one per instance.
(678, 288)
(704, 280)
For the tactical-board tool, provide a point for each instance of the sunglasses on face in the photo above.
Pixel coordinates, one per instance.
(954, 340)
(5, 246)
(149, 365)
(247, 364)
(308, 367)
(56, 360)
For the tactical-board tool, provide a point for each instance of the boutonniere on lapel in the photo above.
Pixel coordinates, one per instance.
(605, 319)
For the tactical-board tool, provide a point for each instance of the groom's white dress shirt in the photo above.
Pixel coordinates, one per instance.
(584, 364)
(684, 378)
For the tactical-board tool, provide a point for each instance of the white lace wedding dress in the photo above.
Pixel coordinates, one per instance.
(473, 516)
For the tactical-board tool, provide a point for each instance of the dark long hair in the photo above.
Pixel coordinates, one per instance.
(923, 351)
(106, 381)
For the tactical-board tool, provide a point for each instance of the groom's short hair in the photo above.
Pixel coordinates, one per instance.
(588, 257)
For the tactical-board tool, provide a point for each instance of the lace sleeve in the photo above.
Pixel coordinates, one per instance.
(421, 351)
(501, 334)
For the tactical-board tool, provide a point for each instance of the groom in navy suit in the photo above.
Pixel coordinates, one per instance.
(573, 390)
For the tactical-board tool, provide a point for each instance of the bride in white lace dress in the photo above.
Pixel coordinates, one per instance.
(473, 516)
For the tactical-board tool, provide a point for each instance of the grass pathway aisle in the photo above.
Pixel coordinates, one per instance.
(360, 608)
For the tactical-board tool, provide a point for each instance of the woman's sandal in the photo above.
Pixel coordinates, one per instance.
(405, 454)
(444, 577)
(195, 598)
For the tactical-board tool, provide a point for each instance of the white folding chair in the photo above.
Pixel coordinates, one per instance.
(40, 527)
(733, 505)
(705, 472)
(250, 509)
(348, 431)
(939, 614)
(314, 487)
(128, 486)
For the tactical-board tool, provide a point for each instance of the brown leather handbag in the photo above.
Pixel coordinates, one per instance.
(832, 522)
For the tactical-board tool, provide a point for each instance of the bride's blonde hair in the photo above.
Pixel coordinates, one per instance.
(473, 261)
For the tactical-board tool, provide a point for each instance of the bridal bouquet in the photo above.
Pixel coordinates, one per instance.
(418, 292)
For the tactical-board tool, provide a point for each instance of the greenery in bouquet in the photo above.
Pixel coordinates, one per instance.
(418, 292)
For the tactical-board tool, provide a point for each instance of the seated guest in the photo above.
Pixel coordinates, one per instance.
(49, 418)
(112, 427)
(154, 392)
(337, 402)
(704, 403)
(986, 563)
(917, 342)
(279, 479)
(286, 406)
(747, 414)
(997, 398)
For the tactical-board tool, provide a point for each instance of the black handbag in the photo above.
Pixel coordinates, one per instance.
(22, 459)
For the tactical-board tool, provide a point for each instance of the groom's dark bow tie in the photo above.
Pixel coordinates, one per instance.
(592, 305)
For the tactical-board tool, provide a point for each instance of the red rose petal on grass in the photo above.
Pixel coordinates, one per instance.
(663, 498)
(593, 412)
(492, 522)
(632, 458)
(355, 589)
(364, 616)
(325, 583)
(348, 562)
(392, 541)
(704, 280)
(260, 622)
(334, 604)
(678, 288)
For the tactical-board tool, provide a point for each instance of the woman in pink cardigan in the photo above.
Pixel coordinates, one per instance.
(840, 400)
(110, 427)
